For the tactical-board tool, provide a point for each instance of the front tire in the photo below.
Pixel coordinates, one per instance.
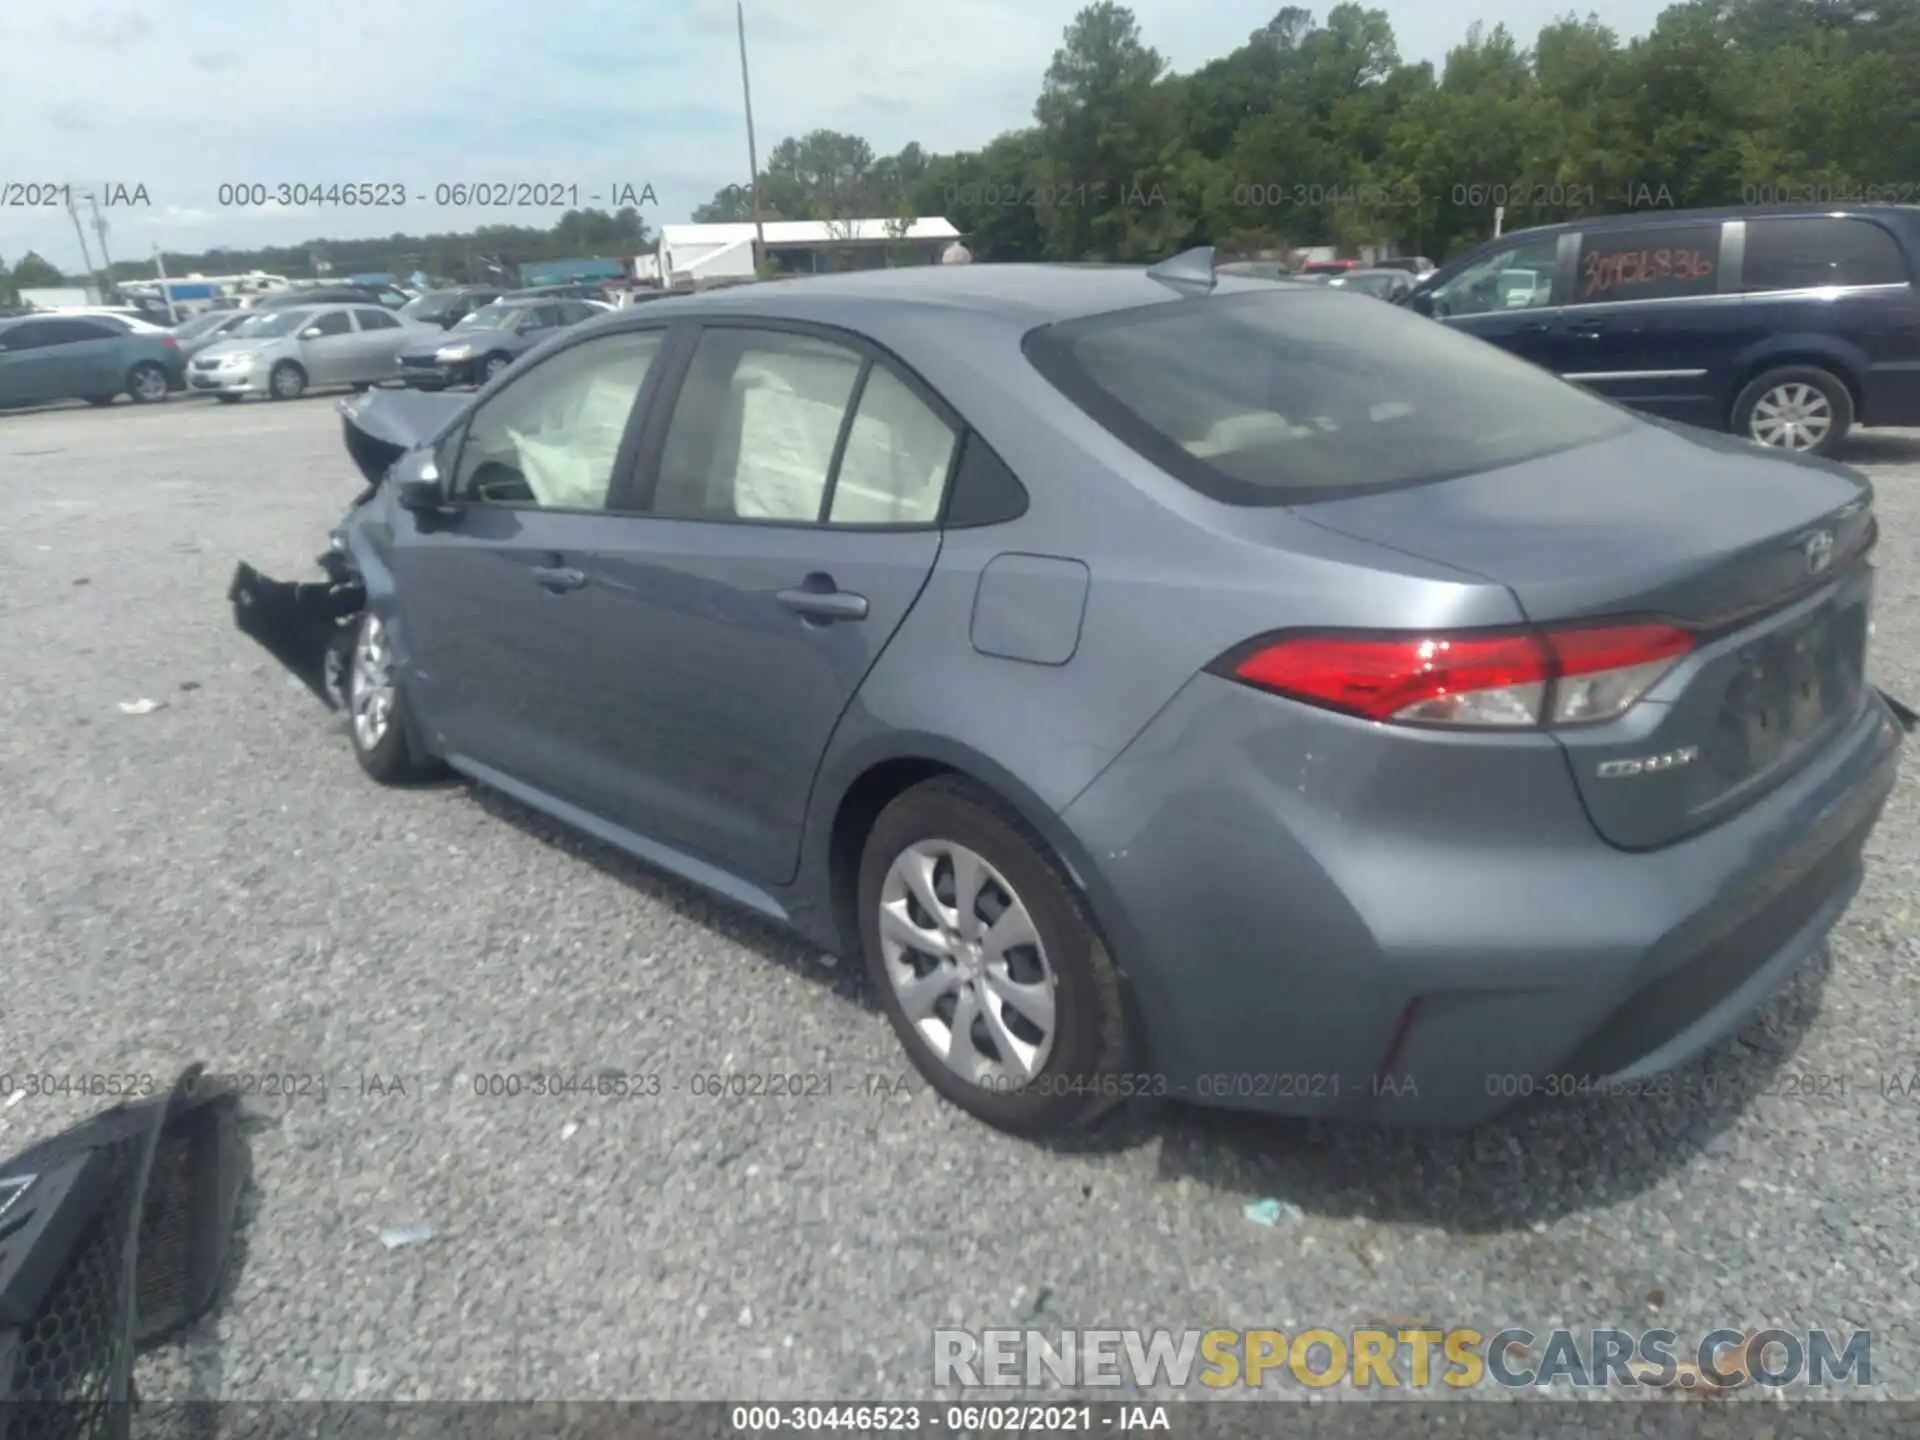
(1798, 408)
(492, 366)
(147, 383)
(376, 707)
(987, 963)
(287, 381)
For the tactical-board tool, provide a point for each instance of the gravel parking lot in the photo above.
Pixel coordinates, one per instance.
(216, 881)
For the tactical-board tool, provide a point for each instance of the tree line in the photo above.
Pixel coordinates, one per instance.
(1316, 132)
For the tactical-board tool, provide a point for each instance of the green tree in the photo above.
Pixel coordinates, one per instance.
(34, 273)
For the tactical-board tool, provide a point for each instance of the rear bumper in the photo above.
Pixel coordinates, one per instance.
(1323, 917)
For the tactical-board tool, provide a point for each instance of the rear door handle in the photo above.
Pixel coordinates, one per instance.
(559, 578)
(1589, 329)
(824, 604)
(1533, 327)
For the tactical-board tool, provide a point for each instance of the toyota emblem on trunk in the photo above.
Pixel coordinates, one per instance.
(1819, 551)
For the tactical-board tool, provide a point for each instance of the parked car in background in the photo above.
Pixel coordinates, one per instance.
(135, 318)
(809, 596)
(1393, 285)
(1257, 269)
(448, 307)
(486, 342)
(388, 297)
(87, 357)
(572, 290)
(204, 329)
(282, 353)
(1785, 325)
(1414, 265)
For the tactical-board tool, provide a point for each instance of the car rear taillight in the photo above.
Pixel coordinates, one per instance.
(169, 342)
(1511, 679)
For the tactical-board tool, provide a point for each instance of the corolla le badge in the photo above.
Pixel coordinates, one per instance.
(1819, 551)
(1648, 764)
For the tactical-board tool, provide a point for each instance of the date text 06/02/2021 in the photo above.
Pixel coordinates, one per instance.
(448, 194)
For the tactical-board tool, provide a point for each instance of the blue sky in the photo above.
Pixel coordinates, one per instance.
(184, 97)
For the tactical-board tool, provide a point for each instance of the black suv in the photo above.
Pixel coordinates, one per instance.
(1785, 325)
(446, 308)
(333, 295)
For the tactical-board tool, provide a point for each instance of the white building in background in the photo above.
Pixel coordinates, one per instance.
(697, 253)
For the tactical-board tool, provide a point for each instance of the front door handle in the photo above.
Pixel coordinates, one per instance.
(1589, 329)
(559, 578)
(1532, 327)
(824, 604)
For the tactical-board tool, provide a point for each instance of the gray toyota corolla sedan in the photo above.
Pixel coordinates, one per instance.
(1171, 684)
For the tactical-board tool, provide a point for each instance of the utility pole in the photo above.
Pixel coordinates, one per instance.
(753, 158)
(100, 229)
(86, 256)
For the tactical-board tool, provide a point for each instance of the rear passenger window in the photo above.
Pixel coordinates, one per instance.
(754, 429)
(1805, 253)
(376, 319)
(894, 469)
(1656, 263)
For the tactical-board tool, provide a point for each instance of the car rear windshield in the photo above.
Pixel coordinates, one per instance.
(1293, 395)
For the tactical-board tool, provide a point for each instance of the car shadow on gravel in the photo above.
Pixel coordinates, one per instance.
(1543, 1160)
(737, 923)
(1540, 1161)
(1881, 447)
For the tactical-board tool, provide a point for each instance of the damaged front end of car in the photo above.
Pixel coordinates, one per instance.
(308, 625)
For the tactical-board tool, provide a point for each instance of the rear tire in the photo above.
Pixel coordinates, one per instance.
(147, 383)
(1798, 408)
(377, 719)
(287, 381)
(1045, 995)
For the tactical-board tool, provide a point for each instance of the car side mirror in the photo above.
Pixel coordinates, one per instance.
(422, 497)
(312, 332)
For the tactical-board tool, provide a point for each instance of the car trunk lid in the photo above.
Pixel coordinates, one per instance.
(1763, 557)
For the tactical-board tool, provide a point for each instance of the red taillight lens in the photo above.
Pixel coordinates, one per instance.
(1509, 680)
(169, 342)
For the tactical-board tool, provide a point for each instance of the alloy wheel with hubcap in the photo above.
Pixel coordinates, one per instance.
(1800, 408)
(147, 384)
(987, 963)
(370, 694)
(287, 382)
(360, 670)
(967, 964)
(1794, 416)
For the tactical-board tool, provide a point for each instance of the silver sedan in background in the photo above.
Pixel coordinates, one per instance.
(284, 353)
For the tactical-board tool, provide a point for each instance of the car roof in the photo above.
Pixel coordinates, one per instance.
(1018, 295)
(1650, 218)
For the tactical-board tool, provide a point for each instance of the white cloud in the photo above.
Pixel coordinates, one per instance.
(577, 92)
